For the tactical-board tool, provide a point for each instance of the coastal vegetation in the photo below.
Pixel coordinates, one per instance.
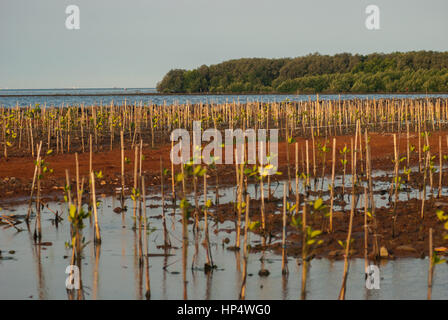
(417, 71)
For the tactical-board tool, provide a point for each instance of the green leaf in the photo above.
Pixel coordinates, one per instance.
(254, 224)
(318, 203)
(99, 174)
(441, 215)
(209, 203)
(72, 211)
(179, 177)
(315, 233)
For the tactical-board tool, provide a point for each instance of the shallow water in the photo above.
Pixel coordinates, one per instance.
(24, 97)
(34, 272)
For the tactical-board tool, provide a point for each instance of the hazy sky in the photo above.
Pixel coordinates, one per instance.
(133, 43)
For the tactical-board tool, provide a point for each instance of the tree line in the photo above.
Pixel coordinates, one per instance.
(416, 71)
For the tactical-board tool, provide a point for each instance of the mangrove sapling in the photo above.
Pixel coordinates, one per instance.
(42, 170)
(34, 181)
(239, 202)
(346, 245)
(194, 171)
(323, 153)
(427, 159)
(344, 161)
(288, 209)
(186, 209)
(434, 258)
(135, 196)
(77, 243)
(310, 238)
(76, 219)
(9, 135)
(208, 266)
(245, 248)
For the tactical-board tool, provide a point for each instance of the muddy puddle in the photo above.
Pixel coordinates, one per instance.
(111, 271)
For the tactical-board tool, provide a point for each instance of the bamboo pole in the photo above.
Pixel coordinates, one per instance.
(34, 182)
(347, 243)
(145, 233)
(122, 168)
(245, 251)
(439, 193)
(333, 165)
(95, 210)
(284, 253)
(431, 265)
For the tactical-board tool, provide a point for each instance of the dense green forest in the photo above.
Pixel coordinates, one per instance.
(421, 71)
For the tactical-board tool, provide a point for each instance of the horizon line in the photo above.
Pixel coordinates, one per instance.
(77, 88)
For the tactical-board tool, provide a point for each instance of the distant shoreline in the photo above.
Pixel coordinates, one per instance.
(214, 94)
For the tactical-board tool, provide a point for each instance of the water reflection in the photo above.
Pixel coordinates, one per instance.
(113, 270)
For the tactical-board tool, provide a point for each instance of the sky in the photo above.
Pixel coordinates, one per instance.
(134, 43)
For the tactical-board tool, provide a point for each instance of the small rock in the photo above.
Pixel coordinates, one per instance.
(384, 253)
(264, 273)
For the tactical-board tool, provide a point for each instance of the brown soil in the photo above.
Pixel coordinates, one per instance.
(16, 176)
(410, 239)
